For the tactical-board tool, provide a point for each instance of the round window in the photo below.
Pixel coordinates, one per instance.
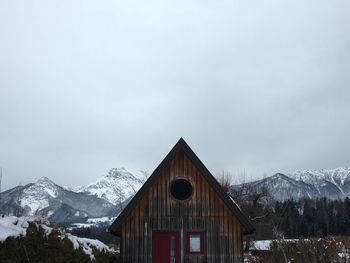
(181, 189)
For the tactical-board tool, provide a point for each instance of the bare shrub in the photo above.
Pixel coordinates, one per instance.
(225, 180)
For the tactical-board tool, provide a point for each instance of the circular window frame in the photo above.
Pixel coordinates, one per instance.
(185, 179)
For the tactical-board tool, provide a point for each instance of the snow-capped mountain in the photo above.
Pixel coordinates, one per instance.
(110, 193)
(47, 199)
(333, 183)
(115, 187)
(36, 197)
(103, 198)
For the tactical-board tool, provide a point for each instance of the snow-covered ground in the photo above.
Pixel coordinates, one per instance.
(80, 225)
(261, 245)
(91, 222)
(98, 220)
(12, 226)
(265, 244)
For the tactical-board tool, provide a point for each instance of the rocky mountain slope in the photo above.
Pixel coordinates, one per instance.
(47, 199)
(333, 183)
(103, 198)
(115, 187)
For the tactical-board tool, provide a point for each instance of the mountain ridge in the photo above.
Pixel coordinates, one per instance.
(109, 194)
(330, 183)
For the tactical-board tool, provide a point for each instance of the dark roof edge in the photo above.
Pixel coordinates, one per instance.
(144, 187)
(181, 144)
(217, 187)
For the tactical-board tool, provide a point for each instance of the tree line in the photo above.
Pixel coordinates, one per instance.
(313, 218)
(301, 218)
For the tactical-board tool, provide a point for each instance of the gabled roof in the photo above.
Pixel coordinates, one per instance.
(181, 145)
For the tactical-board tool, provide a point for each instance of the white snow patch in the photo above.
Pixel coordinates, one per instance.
(17, 226)
(100, 220)
(34, 203)
(344, 255)
(47, 229)
(51, 192)
(261, 245)
(81, 225)
(265, 244)
(233, 201)
(12, 226)
(50, 213)
(87, 244)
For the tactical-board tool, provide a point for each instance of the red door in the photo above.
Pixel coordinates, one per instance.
(166, 247)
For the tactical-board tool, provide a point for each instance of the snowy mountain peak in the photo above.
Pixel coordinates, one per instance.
(44, 179)
(279, 176)
(115, 187)
(116, 171)
(121, 174)
(42, 187)
(36, 196)
(46, 182)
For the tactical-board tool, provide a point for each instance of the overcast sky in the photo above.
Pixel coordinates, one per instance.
(254, 87)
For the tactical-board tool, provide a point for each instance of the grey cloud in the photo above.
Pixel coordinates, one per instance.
(254, 86)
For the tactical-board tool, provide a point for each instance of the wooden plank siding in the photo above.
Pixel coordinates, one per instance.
(204, 211)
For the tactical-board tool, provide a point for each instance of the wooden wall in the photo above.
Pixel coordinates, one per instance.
(205, 211)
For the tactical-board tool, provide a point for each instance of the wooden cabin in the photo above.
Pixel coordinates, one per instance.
(181, 215)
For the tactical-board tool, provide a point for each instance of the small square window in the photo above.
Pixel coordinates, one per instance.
(195, 244)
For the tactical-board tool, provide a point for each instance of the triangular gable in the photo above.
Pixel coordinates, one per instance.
(182, 145)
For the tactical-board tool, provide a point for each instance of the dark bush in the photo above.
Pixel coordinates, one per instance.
(36, 247)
